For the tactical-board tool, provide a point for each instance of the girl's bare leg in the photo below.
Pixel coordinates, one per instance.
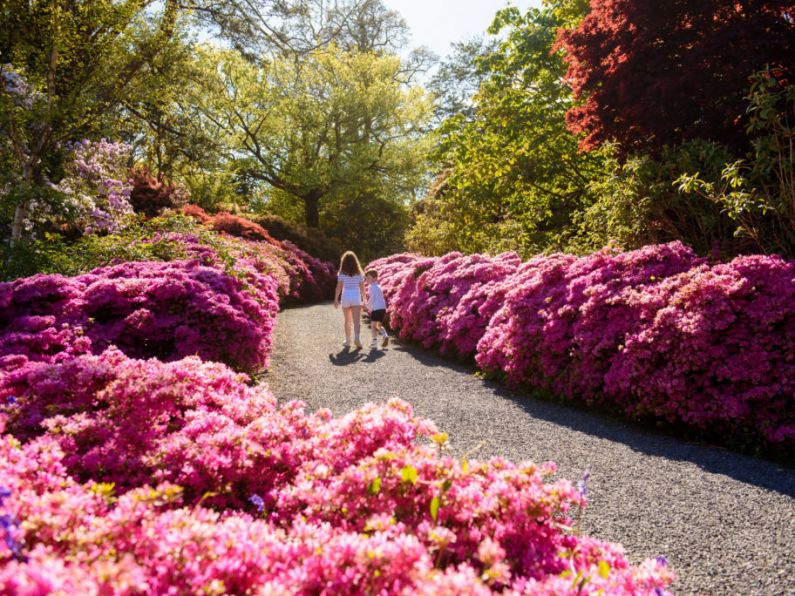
(357, 320)
(348, 317)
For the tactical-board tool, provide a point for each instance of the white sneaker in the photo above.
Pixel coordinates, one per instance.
(374, 343)
(346, 344)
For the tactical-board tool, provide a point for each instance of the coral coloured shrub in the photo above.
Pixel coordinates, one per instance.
(152, 194)
(652, 332)
(195, 212)
(91, 448)
(165, 310)
(240, 227)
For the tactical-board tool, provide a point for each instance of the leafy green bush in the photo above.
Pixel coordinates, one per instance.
(431, 233)
(316, 243)
(758, 193)
(637, 203)
(370, 224)
(55, 254)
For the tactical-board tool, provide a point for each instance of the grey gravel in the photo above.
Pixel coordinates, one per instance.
(725, 522)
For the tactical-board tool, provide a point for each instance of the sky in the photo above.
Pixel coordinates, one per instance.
(437, 23)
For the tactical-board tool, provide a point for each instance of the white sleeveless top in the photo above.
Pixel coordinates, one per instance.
(350, 284)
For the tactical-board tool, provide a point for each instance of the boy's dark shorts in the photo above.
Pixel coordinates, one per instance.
(378, 315)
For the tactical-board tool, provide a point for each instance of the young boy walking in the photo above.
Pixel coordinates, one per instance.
(377, 306)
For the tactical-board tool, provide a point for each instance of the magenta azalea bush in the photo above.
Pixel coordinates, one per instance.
(120, 475)
(146, 309)
(301, 278)
(311, 279)
(652, 332)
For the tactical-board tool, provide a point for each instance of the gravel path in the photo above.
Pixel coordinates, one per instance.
(726, 522)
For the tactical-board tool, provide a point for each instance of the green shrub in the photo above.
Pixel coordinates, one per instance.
(371, 225)
(758, 193)
(638, 203)
(316, 243)
(56, 254)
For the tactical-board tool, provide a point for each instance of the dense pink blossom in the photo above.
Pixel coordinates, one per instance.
(651, 332)
(566, 310)
(165, 310)
(304, 503)
(310, 278)
(451, 301)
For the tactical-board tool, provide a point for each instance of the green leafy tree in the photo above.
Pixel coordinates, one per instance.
(69, 65)
(516, 176)
(758, 193)
(290, 28)
(335, 124)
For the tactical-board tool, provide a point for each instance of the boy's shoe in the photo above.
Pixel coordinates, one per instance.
(374, 343)
(385, 343)
(346, 344)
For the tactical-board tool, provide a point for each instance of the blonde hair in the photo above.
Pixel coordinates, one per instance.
(349, 264)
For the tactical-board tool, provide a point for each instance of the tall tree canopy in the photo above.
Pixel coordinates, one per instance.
(650, 75)
(513, 173)
(289, 27)
(333, 123)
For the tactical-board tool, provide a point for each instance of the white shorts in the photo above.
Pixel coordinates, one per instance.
(349, 300)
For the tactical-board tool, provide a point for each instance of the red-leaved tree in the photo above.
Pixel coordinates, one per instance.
(650, 73)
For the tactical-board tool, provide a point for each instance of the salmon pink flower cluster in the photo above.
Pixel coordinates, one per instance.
(653, 332)
(130, 476)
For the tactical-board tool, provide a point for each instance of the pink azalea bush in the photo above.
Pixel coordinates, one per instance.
(453, 300)
(110, 467)
(718, 348)
(568, 310)
(652, 332)
(301, 277)
(310, 278)
(166, 310)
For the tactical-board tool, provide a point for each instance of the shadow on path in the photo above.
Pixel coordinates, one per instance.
(345, 357)
(758, 472)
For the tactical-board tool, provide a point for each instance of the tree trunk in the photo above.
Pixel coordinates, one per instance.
(22, 210)
(20, 214)
(312, 209)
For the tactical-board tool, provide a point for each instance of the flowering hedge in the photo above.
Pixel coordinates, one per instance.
(110, 465)
(311, 279)
(652, 332)
(166, 310)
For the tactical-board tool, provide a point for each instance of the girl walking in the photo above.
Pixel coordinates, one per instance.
(350, 295)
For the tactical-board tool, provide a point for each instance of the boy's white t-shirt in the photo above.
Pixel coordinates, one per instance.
(377, 301)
